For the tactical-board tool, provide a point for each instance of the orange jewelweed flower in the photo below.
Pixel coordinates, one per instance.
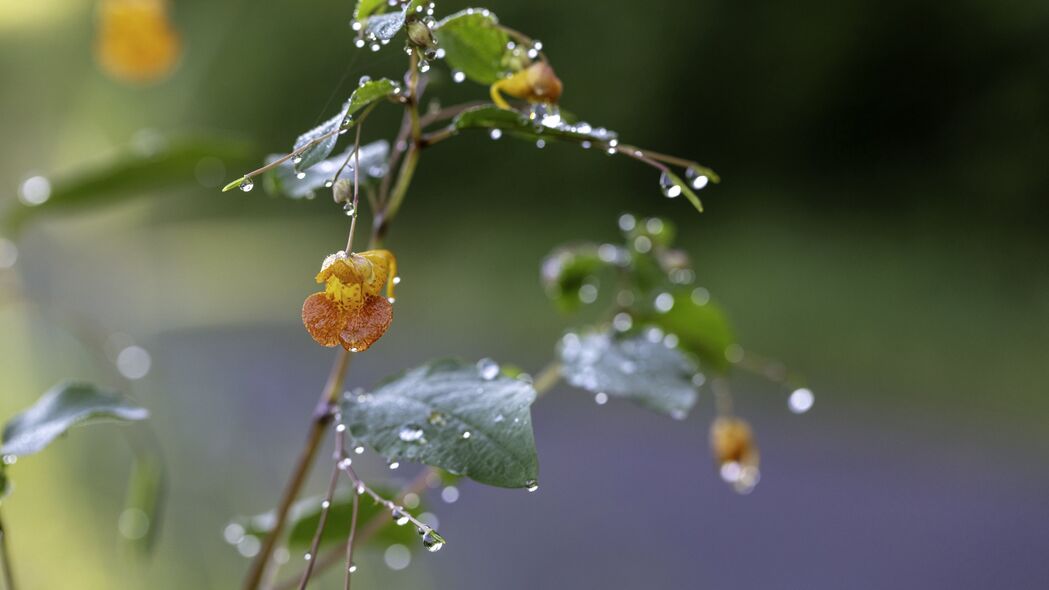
(536, 83)
(135, 41)
(350, 311)
(736, 453)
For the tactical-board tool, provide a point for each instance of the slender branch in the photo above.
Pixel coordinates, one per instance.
(630, 149)
(5, 559)
(322, 416)
(547, 378)
(349, 543)
(356, 187)
(325, 509)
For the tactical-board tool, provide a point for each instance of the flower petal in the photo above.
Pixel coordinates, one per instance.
(368, 325)
(324, 319)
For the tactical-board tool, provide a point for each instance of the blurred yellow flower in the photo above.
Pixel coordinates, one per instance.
(736, 453)
(135, 41)
(350, 311)
(536, 83)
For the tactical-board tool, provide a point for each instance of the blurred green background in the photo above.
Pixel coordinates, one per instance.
(881, 227)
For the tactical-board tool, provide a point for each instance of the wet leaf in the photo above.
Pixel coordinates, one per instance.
(468, 419)
(284, 181)
(366, 8)
(520, 125)
(384, 27)
(474, 44)
(324, 137)
(637, 367)
(62, 407)
(305, 516)
(568, 268)
(700, 325)
(132, 172)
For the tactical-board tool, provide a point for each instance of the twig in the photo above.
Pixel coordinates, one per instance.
(349, 542)
(325, 509)
(322, 416)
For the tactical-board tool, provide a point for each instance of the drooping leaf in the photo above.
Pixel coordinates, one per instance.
(62, 407)
(383, 27)
(699, 324)
(639, 367)
(305, 516)
(533, 126)
(284, 181)
(322, 138)
(468, 419)
(163, 165)
(474, 44)
(567, 269)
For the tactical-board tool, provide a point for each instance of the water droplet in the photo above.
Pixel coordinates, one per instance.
(588, 293)
(542, 115)
(356, 25)
(664, 302)
(300, 175)
(8, 253)
(394, 464)
(586, 145)
(695, 178)
(296, 160)
(348, 209)
(134, 362)
(411, 433)
(397, 557)
(325, 505)
(668, 186)
(450, 494)
(399, 516)
(466, 434)
(34, 190)
(353, 568)
(359, 43)
(397, 280)
(488, 368)
(531, 485)
(627, 222)
(424, 66)
(432, 541)
(601, 398)
(358, 450)
(539, 143)
(622, 322)
(340, 428)
(495, 133)
(247, 184)
(308, 557)
(801, 400)
(458, 76)
(361, 489)
(345, 463)
(375, 47)
(364, 80)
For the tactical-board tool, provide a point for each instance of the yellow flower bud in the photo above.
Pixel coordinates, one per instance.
(135, 41)
(536, 83)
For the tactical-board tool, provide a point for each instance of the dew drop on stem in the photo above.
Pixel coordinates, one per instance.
(695, 178)
(247, 184)
(668, 186)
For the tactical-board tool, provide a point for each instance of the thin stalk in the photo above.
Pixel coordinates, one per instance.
(356, 189)
(547, 378)
(325, 509)
(322, 416)
(349, 543)
(5, 559)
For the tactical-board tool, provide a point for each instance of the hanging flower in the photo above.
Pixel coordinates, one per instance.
(350, 311)
(536, 83)
(736, 453)
(136, 42)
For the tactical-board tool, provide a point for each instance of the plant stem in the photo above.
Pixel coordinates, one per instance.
(5, 559)
(547, 379)
(325, 509)
(349, 542)
(322, 416)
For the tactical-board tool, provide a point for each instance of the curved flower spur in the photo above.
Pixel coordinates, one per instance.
(350, 310)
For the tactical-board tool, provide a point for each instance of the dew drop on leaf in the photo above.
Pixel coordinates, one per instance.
(668, 186)
(531, 485)
(411, 433)
(488, 368)
(247, 185)
(695, 178)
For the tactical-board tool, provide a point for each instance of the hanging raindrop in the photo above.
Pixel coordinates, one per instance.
(668, 186)
(247, 184)
(695, 178)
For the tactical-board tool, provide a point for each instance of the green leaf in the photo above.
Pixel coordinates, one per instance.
(132, 172)
(324, 137)
(639, 367)
(531, 126)
(700, 325)
(305, 516)
(64, 406)
(468, 419)
(474, 44)
(383, 27)
(284, 181)
(366, 8)
(568, 268)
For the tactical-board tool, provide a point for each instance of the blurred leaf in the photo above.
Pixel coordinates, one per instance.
(305, 516)
(467, 419)
(568, 268)
(639, 367)
(521, 125)
(383, 27)
(140, 521)
(284, 181)
(364, 95)
(700, 325)
(131, 173)
(64, 406)
(474, 44)
(366, 8)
